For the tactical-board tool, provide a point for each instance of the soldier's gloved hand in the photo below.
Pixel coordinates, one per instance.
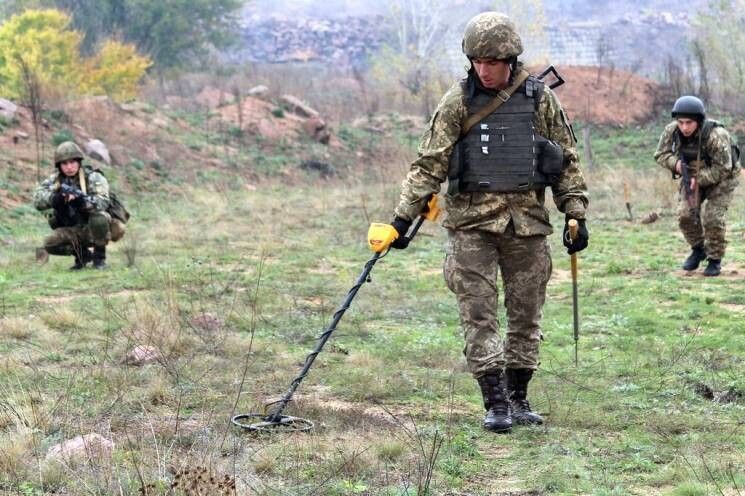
(402, 227)
(58, 200)
(582, 239)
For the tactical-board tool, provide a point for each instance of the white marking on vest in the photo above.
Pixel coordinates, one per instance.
(485, 150)
(484, 137)
(484, 126)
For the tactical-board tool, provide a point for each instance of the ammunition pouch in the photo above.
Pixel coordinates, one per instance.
(551, 158)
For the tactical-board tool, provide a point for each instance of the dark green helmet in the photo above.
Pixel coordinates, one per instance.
(67, 151)
(491, 35)
(689, 106)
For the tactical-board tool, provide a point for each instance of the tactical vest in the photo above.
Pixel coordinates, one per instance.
(503, 152)
(693, 149)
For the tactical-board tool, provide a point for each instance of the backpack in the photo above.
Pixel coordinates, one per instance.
(709, 125)
(116, 209)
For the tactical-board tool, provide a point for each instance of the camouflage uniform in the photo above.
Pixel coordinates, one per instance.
(77, 225)
(717, 180)
(495, 230)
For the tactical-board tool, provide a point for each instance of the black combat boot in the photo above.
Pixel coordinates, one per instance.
(99, 257)
(517, 392)
(497, 418)
(714, 268)
(82, 258)
(695, 258)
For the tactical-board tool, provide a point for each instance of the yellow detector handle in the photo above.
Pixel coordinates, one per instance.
(380, 236)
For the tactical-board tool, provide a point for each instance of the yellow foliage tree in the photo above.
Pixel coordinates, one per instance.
(115, 71)
(39, 42)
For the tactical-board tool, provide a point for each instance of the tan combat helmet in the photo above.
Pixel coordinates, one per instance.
(491, 35)
(67, 151)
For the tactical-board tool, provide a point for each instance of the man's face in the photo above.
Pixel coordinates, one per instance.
(69, 167)
(687, 126)
(494, 74)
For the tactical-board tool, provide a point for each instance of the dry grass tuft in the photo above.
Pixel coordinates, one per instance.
(17, 328)
(63, 319)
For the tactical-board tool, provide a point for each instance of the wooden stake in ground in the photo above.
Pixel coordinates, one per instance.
(626, 198)
(573, 226)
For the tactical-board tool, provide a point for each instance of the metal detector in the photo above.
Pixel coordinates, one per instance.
(275, 421)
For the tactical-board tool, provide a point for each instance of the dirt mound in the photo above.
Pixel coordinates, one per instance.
(607, 96)
(148, 144)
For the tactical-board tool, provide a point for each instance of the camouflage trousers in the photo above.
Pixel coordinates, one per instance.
(472, 263)
(101, 229)
(706, 225)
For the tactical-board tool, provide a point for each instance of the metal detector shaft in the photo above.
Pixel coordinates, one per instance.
(281, 404)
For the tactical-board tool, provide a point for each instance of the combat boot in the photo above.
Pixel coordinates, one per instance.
(517, 392)
(82, 258)
(695, 258)
(714, 268)
(497, 418)
(99, 257)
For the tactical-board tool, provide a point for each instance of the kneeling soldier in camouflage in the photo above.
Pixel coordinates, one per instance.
(699, 150)
(78, 200)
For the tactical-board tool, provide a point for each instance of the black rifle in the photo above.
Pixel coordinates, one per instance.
(68, 189)
(692, 195)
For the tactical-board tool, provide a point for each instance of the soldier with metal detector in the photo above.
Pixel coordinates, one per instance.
(700, 152)
(500, 138)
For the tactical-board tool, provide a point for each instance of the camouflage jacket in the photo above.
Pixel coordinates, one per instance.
(487, 210)
(97, 188)
(716, 169)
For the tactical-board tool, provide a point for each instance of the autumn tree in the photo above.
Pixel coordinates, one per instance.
(719, 50)
(172, 33)
(38, 46)
(415, 59)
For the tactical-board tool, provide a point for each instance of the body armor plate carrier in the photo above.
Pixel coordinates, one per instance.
(503, 152)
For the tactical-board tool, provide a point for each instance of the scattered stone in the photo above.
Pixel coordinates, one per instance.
(207, 322)
(650, 218)
(258, 91)
(97, 149)
(8, 109)
(324, 169)
(82, 448)
(730, 396)
(316, 128)
(298, 107)
(142, 355)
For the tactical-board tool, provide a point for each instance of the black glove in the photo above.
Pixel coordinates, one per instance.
(58, 200)
(583, 236)
(78, 203)
(402, 227)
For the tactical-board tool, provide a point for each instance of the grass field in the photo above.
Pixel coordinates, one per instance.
(234, 285)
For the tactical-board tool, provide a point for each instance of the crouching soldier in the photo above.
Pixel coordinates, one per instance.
(701, 153)
(78, 201)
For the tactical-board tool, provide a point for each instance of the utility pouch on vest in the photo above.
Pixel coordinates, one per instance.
(551, 160)
(454, 169)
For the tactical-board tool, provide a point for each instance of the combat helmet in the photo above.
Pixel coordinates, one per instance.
(67, 151)
(491, 35)
(689, 106)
